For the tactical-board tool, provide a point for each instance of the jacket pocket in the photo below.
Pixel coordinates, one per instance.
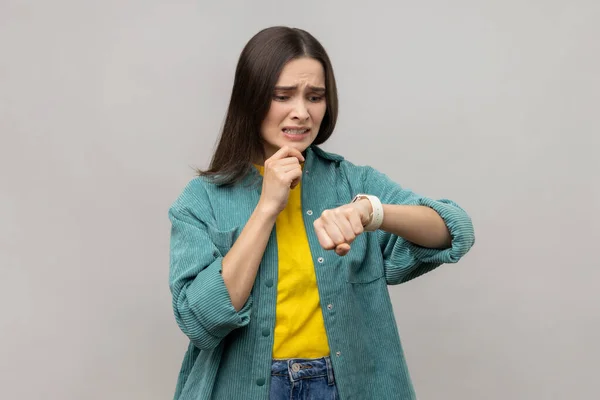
(362, 265)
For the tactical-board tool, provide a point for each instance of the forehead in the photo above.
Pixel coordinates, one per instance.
(302, 71)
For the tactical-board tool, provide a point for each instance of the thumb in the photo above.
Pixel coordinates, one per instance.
(342, 249)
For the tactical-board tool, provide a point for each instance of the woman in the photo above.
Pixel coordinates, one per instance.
(281, 253)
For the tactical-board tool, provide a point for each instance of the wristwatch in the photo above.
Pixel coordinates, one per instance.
(376, 217)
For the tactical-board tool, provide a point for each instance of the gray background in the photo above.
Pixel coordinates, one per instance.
(106, 106)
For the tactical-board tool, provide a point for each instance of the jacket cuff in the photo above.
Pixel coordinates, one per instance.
(460, 227)
(212, 304)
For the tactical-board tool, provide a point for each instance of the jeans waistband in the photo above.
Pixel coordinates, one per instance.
(304, 368)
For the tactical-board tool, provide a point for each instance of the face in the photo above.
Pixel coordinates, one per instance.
(297, 107)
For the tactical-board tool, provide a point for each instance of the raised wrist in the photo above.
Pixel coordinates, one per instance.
(367, 211)
(376, 214)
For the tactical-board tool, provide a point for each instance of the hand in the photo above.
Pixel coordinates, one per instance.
(281, 174)
(337, 228)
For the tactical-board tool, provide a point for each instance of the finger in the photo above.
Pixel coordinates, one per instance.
(356, 223)
(290, 173)
(334, 232)
(342, 220)
(337, 226)
(296, 175)
(287, 151)
(342, 249)
(285, 162)
(288, 167)
(282, 167)
(324, 240)
(291, 169)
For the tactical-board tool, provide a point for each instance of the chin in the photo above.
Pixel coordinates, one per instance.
(300, 145)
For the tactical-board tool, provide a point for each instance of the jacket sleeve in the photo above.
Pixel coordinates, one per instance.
(404, 260)
(201, 303)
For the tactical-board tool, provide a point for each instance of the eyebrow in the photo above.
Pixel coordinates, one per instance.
(317, 89)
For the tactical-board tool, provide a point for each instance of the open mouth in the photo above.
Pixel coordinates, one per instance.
(290, 131)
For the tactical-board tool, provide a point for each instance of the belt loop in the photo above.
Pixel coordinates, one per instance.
(330, 378)
(289, 368)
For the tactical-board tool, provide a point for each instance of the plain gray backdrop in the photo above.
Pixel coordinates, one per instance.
(105, 107)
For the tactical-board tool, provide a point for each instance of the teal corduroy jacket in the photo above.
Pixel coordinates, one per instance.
(229, 355)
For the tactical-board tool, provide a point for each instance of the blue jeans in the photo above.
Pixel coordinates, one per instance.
(303, 379)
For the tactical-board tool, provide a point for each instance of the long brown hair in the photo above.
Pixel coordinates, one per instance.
(256, 75)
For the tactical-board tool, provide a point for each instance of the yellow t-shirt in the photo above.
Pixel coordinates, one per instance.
(299, 326)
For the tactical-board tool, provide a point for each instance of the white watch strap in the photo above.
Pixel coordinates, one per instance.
(377, 215)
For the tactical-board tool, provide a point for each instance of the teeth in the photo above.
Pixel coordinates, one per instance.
(295, 131)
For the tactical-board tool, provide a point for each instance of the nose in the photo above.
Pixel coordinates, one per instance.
(300, 111)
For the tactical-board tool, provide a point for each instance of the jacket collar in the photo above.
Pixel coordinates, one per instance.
(314, 150)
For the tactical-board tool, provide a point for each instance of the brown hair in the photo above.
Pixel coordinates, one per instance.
(256, 75)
